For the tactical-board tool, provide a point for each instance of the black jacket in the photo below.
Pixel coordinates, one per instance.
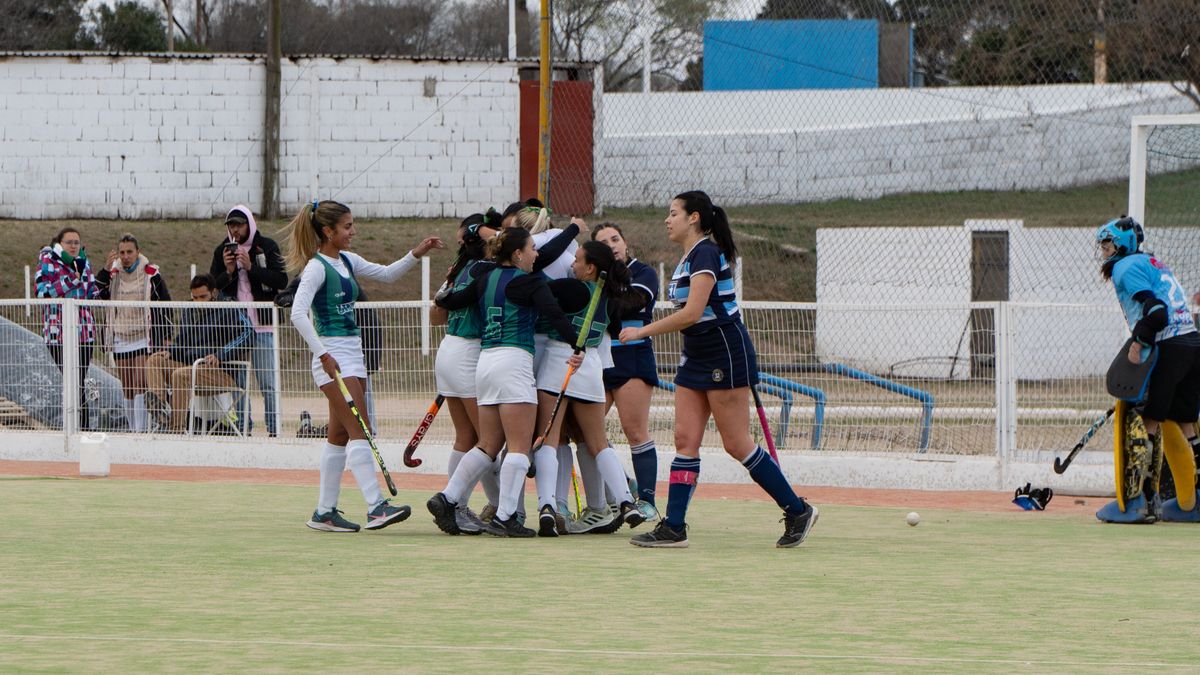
(268, 274)
(211, 328)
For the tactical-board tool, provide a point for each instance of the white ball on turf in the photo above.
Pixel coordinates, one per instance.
(912, 518)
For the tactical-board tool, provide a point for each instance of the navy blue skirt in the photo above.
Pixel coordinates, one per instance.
(721, 357)
(631, 362)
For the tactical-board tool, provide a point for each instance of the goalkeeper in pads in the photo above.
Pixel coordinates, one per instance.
(1155, 307)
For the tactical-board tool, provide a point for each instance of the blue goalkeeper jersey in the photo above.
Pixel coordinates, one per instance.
(1141, 272)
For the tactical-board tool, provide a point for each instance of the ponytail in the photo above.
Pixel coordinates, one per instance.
(305, 233)
(536, 219)
(506, 243)
(713, 221)
(623, 297)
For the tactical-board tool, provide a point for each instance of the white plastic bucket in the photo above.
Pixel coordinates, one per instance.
(93, 455)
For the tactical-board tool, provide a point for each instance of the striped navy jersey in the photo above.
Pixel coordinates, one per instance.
(643, 278)
(722, 307)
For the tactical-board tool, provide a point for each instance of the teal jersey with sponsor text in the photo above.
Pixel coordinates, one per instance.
(333, 305)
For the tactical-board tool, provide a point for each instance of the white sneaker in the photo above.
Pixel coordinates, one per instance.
(591, 520)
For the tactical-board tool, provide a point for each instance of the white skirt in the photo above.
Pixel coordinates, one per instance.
(605, 349)
(504, 375)
(347, 351)
(122, 346)
(454, 367)
(539, 349)
(587, 384)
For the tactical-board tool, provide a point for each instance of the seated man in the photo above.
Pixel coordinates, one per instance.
(211, 331)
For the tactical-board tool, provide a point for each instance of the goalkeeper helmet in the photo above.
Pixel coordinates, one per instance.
(1125, 234)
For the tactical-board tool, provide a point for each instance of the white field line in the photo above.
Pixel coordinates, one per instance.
(594, 652)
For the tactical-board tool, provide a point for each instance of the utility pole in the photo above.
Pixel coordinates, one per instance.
(198, 31)
(170, 26)
(1100, 48)
(544, 85)
(270, 184)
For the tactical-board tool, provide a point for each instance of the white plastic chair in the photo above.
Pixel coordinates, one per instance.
(212, 408)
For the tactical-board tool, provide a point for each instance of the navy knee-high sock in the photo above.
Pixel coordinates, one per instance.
(645, 469)
(685, 472)
(770, 478)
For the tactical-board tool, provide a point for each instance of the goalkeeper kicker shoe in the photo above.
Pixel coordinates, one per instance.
(1171, 513)
(1138, 511)
(385, 514)
(331, 521)
(796, 528)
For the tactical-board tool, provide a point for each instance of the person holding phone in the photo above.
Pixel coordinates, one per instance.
(65, 272)
(248, 267)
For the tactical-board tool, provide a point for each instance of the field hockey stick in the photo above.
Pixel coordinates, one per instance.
(366, 430)
(762, 419)
(579, 343)
(1061, 465)
(434, 407)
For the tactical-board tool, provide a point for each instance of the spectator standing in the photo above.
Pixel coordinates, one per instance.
(65, 273)
(248, 267)
(133, 332)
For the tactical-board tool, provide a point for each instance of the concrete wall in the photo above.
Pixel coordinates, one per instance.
(792, 146)
(157, 137)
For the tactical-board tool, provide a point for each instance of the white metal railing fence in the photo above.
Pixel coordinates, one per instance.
(823, 385)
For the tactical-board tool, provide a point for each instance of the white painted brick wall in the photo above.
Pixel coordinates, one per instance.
(866, 143)
(142, 137)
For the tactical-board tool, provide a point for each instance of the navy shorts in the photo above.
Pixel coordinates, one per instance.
(1174, 392)
(721, 357)
(631, 362)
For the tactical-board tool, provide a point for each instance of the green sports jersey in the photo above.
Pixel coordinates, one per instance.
(465, 323)
(333, 305)
(599, 320)
(504, 323)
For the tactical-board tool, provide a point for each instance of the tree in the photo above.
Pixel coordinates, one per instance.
(41, 24)
(612, 32)
(1157, 40)
(129, 26)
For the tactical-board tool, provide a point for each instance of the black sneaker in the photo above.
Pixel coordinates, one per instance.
(630, 515)
(548, 522)
(508, 528)
(385, 514)
(662, 536)
(331, 521)
(443, 513)
(795, 528)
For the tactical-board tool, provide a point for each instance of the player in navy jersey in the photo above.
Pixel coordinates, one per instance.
(509, 299)
(1156, 310)
(715, 374)
(630, 382)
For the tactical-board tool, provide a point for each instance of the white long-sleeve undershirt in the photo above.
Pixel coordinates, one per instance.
(313, 277)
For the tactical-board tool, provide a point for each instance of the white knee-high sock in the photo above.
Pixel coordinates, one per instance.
(141, 418)
(362, 465)
(545, 458)
(566, 463)
(471, 466)
(512, 484)
(589, 475)
(491, 482)
(129, 414)
(452, 463)
(333, 464)
(614, 475)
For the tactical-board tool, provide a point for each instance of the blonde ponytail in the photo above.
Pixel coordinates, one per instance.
(534, 219)
(304, 235)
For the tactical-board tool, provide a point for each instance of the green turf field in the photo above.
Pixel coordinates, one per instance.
(117, 576)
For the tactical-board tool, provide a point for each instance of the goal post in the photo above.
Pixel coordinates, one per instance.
(1140, 130)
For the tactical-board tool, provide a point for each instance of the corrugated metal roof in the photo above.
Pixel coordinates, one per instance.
(208, 56)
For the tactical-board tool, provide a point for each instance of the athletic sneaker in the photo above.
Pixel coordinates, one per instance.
(385, 514)
(159, 410)
(591, 521)
(519, 515)
(662, 536)
(649, 511)
(331, 521)
(547, 522)
(488, 512)
(508, 528)
(444, 513)
(630, 515)
(467, 521)
(564, 516)
(795, 528)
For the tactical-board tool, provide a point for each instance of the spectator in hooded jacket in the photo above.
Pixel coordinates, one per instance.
(212, 331)
(248, 267)
(64, 272)
(133, 332)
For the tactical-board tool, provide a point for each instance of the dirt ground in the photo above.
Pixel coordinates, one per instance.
(899, 499)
